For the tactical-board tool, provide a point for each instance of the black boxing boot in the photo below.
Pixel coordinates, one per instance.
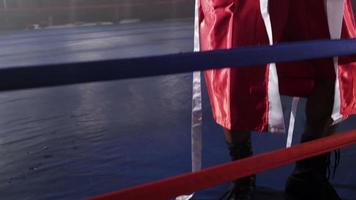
(310, 179)
(243, 188)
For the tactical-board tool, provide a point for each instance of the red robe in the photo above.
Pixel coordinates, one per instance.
(249, 99)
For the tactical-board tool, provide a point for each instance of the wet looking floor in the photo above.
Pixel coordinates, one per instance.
(77, 141)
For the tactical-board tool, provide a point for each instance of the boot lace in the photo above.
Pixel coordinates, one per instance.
(331, 169)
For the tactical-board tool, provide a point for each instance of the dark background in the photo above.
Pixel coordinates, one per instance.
(22, 14)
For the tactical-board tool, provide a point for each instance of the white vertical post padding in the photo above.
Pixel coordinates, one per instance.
(196, 130)
(335, 12)
(275, 114)
(293, 116)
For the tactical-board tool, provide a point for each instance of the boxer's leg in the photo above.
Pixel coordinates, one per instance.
(239, 146)
(310, 176)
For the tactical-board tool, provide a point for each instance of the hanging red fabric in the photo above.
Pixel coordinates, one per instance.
(241, 98)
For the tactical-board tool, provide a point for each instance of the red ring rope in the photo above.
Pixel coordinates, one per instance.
(188, 183)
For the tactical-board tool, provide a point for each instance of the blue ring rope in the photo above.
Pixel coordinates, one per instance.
(14, 78)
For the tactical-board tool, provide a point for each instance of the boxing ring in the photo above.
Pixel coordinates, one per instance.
(36, 76)
(71, 73)
(241, 57)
